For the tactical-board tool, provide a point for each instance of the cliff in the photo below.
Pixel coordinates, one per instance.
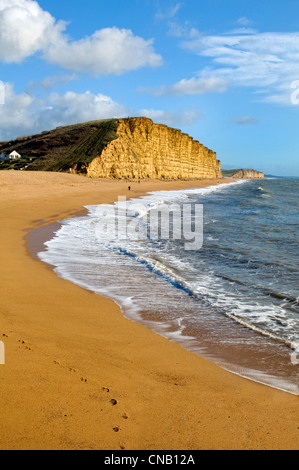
(133, 148)
(248, 174)
(147, 150)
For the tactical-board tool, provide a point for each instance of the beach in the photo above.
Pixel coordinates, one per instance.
(78, 375)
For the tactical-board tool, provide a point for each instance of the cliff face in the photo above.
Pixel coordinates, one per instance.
(133, 148)
(147, 150)
(249, 174)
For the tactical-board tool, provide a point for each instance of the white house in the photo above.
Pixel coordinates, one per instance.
(14, 155)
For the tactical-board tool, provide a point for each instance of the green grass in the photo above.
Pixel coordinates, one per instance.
(62, 148)
(229, 172)
(89, 148)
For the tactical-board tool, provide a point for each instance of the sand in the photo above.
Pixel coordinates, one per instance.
(78, 375)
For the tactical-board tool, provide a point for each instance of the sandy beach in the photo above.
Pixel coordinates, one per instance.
(78, 375)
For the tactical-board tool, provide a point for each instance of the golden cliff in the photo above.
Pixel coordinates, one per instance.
(147, 150)
(249, 174)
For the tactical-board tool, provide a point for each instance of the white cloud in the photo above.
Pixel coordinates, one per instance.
(51, 82)
(25, 29)
(244, 21)
(268, 62)
(245, 120)
(15, 113)
(168, 13)
(176, 29)
(193, 86)
(242, 30)
(107, 51)
(73, 107)
(171, 118)
(24, 114)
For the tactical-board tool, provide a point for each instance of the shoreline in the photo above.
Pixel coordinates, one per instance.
(62, 360)
(35, 244)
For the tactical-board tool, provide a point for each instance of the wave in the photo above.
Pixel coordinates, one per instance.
(215, 290)
(179, 282)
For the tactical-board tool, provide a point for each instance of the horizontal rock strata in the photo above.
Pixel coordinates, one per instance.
(147, 150)
(249, 174)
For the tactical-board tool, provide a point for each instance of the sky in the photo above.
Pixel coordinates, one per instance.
(224, 71)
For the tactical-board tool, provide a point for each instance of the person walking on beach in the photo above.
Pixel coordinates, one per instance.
(129, 188)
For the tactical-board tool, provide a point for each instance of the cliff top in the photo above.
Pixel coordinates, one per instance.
(243, 173)
(60, 148)
(66, 146)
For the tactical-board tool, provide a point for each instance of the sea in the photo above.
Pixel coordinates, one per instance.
(232, 296)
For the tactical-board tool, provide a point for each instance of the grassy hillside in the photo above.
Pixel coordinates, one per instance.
(229, 173)
(63, 148)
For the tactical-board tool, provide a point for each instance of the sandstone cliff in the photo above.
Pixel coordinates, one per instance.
(133, 148)
(249, 174)
(147, 150)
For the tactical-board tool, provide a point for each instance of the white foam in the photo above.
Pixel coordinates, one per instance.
(264, 379)
(92, 263)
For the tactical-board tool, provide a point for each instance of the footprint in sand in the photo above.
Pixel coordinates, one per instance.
(66, 367)
(21, 341)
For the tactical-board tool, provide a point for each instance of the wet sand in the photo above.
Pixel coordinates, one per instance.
(78, 375)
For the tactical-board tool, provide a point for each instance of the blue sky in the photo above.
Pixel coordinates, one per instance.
(224, 71)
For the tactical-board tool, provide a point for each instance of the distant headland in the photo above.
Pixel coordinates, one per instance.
(243, 174)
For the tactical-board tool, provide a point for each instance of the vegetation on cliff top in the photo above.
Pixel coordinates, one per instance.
(73, 146)
(229, 173)
(243, 173)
